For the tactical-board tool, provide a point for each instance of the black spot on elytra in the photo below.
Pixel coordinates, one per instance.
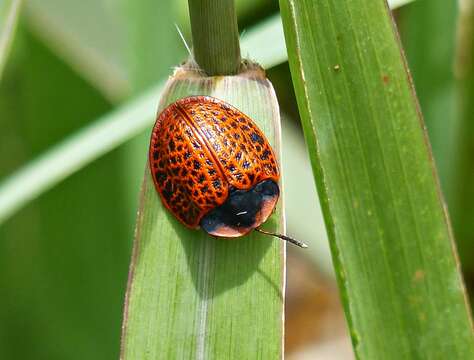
(216, 184)
(231, 167)
(171, 145)
(187, 155)
(265, 155)
(204, 189)
(246, 164)
(180, 147)
(251, 177)
(196, 165)
(236, 136)
(160, 176)
(208, 162)
(156, 154)
(184, 172)
(258, 148)
(256, 138)
(211, 172)
(238, 156)
(201, 178)
(168, 191)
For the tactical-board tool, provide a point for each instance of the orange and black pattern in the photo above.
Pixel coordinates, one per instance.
(200, 146)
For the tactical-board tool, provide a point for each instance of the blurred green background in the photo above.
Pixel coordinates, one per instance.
(64, 257)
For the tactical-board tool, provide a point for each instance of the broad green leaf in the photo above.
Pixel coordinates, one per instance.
(390, 236)
(9, 11)
(194, 296)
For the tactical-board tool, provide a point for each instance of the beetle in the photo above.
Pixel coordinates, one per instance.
(214, 168)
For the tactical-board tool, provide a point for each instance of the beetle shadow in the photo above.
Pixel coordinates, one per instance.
(218, 265)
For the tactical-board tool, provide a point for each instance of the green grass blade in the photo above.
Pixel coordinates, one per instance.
(75, 152)
(194, 296)
(428, 30)
(390, 236)
(215, 36)
(463, 198)
(9, 11)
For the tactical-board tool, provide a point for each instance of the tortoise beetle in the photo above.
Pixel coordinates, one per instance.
(213, 167)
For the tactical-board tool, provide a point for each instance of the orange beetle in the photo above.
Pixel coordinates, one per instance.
(214, 168)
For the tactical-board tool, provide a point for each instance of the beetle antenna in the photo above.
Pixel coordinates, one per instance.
(283, 237)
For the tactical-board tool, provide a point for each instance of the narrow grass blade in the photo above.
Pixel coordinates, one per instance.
(428, 33)
(75, 152)
(215, 36)
(463, 202)
(390, 236)
(9, 11)
(194, 296)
